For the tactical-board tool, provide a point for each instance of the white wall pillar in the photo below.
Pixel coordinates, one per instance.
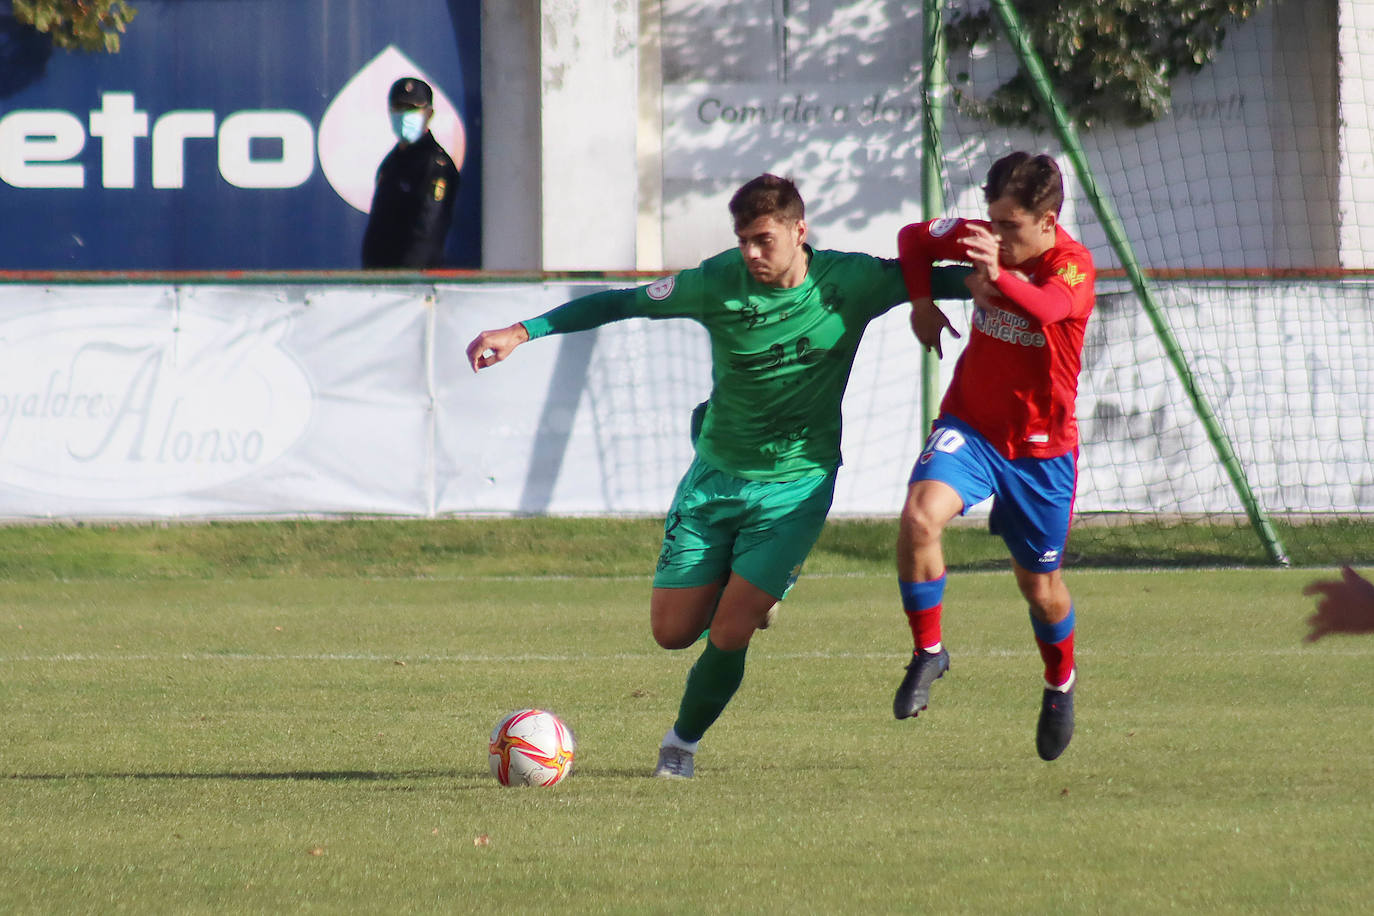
(560, 97)
(1356, 18)
(589, 114)
(511, 141)
(649, 240)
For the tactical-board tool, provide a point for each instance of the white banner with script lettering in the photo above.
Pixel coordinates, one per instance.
(156, 401)
(263, 400)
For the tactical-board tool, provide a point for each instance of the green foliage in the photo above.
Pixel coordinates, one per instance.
(86, 25)
(1108, 61)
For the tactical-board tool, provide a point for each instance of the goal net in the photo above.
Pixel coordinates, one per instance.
(1248, 207)
(1227, 413)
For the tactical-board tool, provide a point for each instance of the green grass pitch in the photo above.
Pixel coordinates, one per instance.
(223, 719)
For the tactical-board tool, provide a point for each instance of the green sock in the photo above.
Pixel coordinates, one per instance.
(711, 683)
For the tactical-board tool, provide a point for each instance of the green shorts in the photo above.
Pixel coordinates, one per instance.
(761, 530)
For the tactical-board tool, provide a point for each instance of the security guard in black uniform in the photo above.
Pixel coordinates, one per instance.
(417, 183)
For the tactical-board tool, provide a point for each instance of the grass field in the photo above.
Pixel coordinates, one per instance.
(293, 718)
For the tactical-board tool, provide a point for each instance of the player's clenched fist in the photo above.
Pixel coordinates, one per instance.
(490, 347)
(984, 250)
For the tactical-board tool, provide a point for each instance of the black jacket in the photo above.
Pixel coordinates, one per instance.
(412, 207)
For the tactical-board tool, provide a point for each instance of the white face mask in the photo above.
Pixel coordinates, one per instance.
(409, 125)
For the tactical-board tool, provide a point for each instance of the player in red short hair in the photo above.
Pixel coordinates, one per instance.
(1007, 427)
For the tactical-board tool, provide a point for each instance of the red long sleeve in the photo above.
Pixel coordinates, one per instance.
(920, 245)
(1016, 381)
(1053, 301)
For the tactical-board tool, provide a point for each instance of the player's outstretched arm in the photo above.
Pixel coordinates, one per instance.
(490, 347)
(581, 314)
(1346, 605)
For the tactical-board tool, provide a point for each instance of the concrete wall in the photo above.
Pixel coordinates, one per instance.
(1356, 199)
(617, 129)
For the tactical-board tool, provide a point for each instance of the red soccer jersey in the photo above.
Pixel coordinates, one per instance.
(1017, 380)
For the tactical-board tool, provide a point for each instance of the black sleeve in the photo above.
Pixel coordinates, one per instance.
(375, 236)
(424, 246)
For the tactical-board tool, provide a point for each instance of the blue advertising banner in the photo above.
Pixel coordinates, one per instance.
(239, 135)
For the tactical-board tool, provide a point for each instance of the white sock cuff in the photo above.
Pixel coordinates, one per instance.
(672, 740)
(1064, 687)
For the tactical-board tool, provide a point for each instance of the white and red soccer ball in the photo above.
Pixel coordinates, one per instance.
(531, 747)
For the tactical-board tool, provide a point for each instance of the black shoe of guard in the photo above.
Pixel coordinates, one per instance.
(1055, 729)
(913, 695)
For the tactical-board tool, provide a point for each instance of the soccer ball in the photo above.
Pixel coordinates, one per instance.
(531, 748)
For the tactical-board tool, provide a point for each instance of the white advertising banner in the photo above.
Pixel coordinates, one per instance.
(157, 401)
(584, 423)
(148, 401)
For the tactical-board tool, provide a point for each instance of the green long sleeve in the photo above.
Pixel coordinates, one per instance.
(583, 313)
(948, 282)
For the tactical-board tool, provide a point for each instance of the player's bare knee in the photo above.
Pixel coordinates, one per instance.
(1047, 603)
(673, 640)
(919, 528)
(673, 635)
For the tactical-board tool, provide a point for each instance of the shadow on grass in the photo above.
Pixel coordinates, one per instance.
(466, 779)
(263, 776)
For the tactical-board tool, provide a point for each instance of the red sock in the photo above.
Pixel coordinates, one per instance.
(922, 602)
(1058, 658)
(925, 626)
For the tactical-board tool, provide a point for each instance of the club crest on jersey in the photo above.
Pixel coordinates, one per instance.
(942, 226)
(1072, 274)
(660, 289)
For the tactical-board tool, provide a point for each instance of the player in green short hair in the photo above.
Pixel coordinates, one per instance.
(784, 321)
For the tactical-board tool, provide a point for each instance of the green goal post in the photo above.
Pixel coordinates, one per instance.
(934, 91)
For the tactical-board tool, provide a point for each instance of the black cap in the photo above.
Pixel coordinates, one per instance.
(409, 92)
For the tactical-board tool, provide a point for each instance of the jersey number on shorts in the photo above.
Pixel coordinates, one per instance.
(948, 441)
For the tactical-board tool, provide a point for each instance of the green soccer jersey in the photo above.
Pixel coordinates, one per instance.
(780, 358)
